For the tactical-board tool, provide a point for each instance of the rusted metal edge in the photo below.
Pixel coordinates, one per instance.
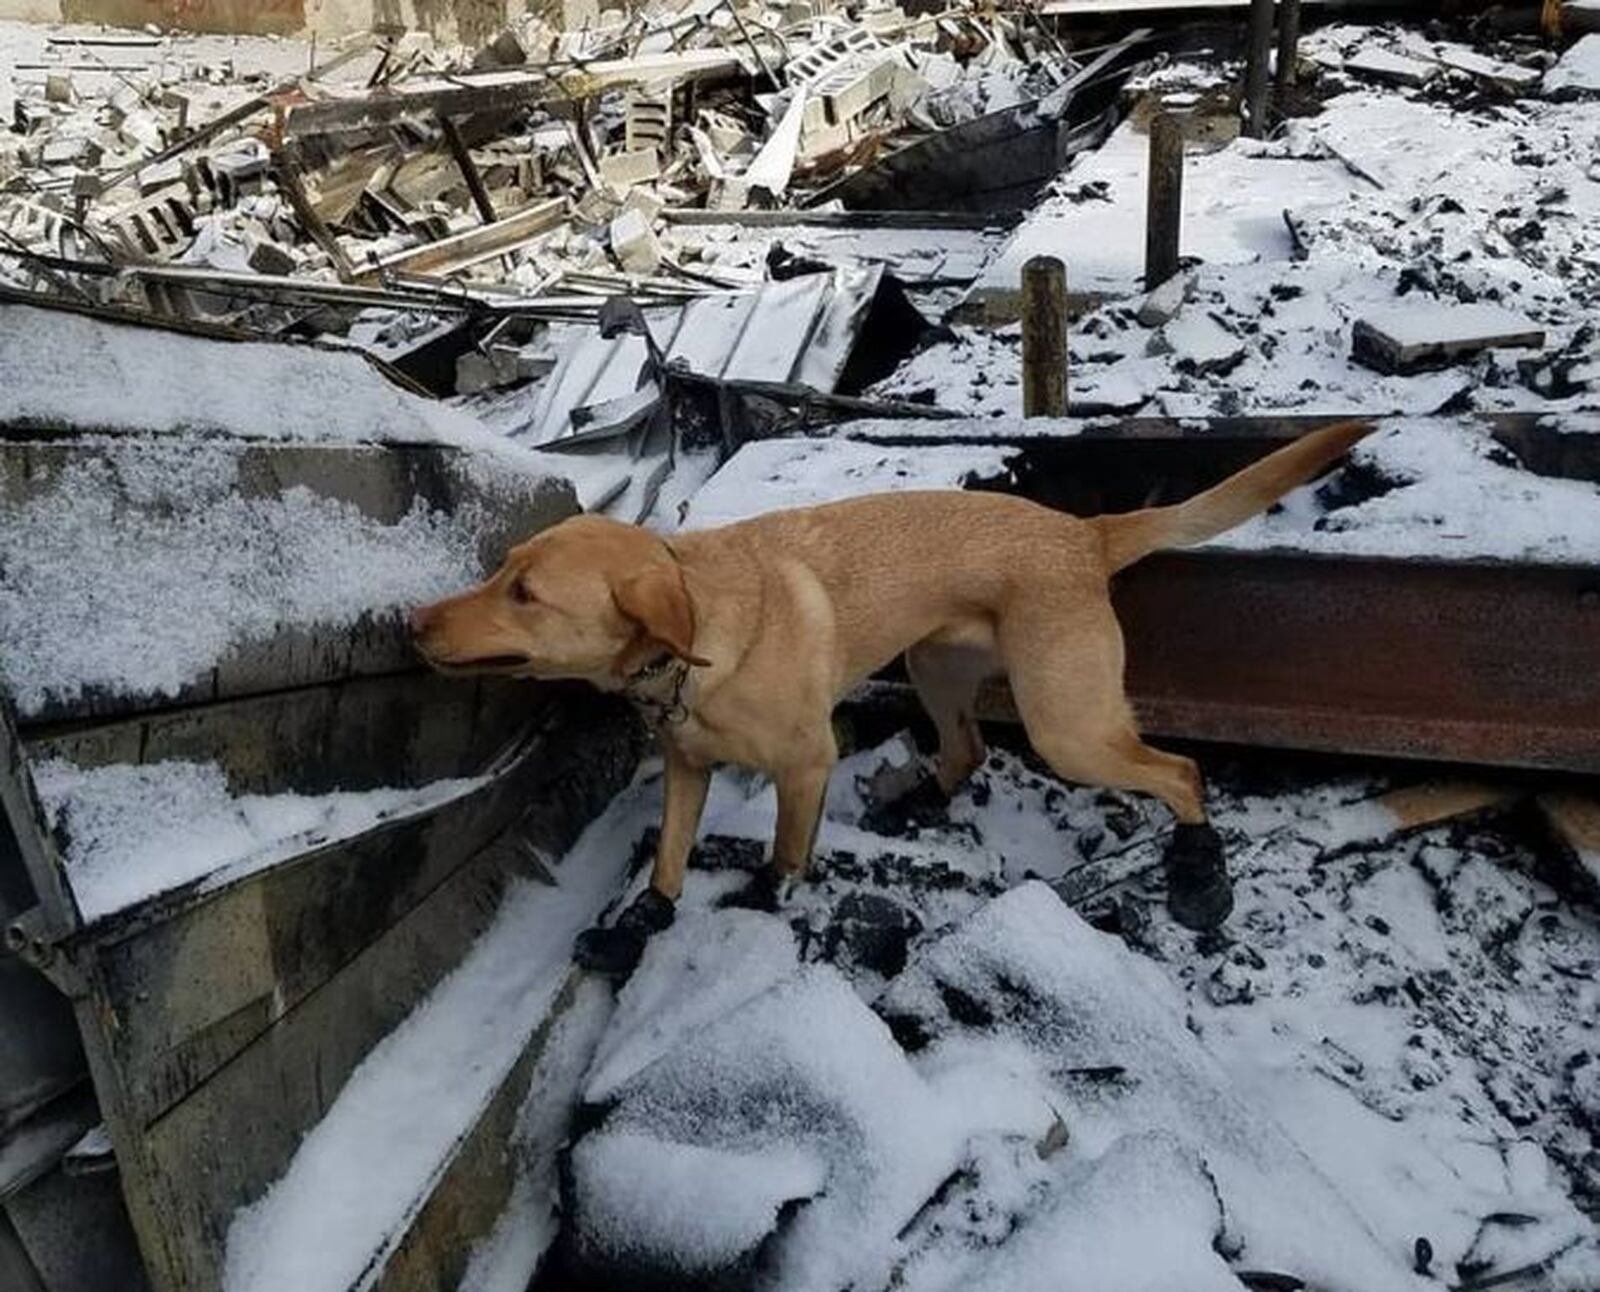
(1483, 662)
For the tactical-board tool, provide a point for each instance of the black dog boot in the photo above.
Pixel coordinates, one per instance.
(615, 952)
(1199, 894)
(923, 803)
(764, 892)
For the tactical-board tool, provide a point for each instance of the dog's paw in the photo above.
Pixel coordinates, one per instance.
(615, 952)
(764, 892)
(611, 953)
(925, 803)
(1199, 893)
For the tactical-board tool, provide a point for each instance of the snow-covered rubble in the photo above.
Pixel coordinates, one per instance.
(1382, 197)
(67, 371)
(1390, 1045)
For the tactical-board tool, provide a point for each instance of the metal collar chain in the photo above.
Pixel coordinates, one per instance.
(656, 691)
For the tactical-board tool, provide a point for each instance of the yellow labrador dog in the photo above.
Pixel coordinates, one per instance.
(739, 641)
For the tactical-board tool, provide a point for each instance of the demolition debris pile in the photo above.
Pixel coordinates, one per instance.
(542, 162)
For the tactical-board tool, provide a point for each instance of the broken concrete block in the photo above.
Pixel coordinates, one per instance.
(728, 195)
(597, 206)
(1199, 345)
(141, 130)
(27, 117)
(634, 244)
(627, 168)
(1511, 77)
(477, 372)
(726, 134)
(179, 102)
(238, 174)
(58, 87)
(649, 121)
(1577, 74)
(1382, 65)
(850, 90)
(1432, 334)
(645, 203)
(1162, 305)
(70, 152)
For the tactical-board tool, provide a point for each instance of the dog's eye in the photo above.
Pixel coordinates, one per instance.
(521, 595)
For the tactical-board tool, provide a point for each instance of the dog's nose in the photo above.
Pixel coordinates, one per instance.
(419, 620)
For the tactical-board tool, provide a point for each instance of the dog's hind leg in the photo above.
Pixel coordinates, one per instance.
(1065, 660)
(947, 679)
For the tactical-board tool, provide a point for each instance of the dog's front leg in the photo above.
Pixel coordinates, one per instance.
(801, 791)
(615, 951)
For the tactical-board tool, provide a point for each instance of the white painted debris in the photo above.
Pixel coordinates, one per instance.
(774, 164)
(1508, 76)
(1384, 65)
(1577, 73)
(624, 169)
(1162, 304)
(634, 244)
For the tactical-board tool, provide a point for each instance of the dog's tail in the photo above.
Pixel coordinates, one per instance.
(1133, 535)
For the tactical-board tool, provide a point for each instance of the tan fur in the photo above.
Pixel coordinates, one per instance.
(784, 615)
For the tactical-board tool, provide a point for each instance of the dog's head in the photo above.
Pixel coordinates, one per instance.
(589, 598)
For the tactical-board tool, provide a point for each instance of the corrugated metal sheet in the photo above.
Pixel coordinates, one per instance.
(798, 330)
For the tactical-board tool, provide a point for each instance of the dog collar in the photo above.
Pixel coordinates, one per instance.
(656, 691)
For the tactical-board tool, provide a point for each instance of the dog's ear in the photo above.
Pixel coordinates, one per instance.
(657, 600)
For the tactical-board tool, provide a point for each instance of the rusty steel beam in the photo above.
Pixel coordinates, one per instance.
(1472, 662)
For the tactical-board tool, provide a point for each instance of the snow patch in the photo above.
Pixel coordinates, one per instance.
(136, 831)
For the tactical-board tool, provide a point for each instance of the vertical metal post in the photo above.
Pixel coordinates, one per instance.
(1044, 338)
(1164, 201)
(1288, 42)
(1255, 83)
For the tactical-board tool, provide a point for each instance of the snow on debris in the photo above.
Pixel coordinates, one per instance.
(344, 1201)
(1382, 198)
(139, 568)
(137, 831)
(1447, 490)
(769, 474)
(1395, 1040)
(1233, 214)
(1577, 73)
(64, 370)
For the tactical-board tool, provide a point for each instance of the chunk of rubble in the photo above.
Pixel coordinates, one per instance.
(1199, 344)
(789, 1124)
(1161, 305)
(1577, 74)
(634, 243)
(1384, 65)
(1429, 334)
(1122, 1062)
